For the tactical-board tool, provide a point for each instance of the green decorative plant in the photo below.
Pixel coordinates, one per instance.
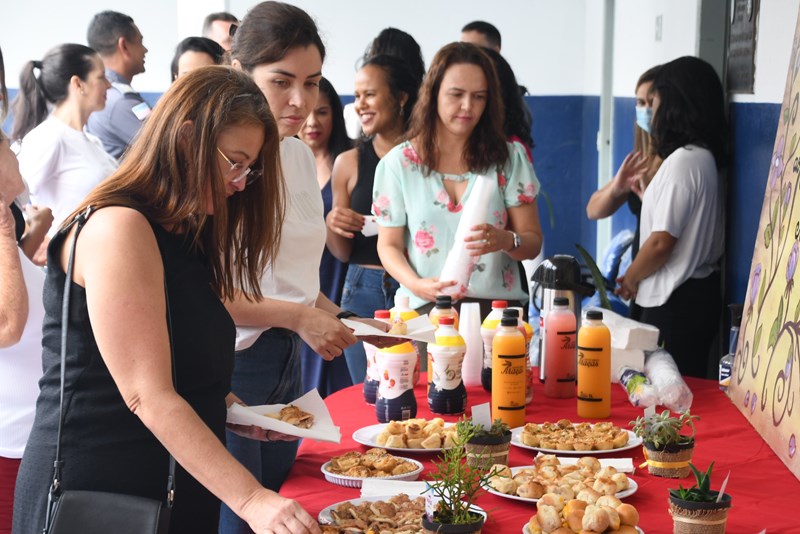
(665, 429)
(455, 482)
(498, 429)
(701, 491)
(598, 279)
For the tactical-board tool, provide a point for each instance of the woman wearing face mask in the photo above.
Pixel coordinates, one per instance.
(385, 94)
(638, 167)
(421, 185)
(325, 134)
(675, 277)
(59, 160)
(278, 45)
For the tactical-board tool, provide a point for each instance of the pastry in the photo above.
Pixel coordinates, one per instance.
(294, 416)
(628, 515)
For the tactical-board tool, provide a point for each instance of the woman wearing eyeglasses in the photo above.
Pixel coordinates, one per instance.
(171, 233)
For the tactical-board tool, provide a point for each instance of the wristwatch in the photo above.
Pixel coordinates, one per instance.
(345, 314)
(517, 240)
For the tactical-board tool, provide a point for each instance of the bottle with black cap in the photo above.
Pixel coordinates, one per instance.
(508, 371)
(594, 367)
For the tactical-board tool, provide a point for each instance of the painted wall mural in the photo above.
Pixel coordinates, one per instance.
(765, 383)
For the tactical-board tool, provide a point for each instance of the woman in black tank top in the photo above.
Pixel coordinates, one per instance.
(385, 91)
(150, 345)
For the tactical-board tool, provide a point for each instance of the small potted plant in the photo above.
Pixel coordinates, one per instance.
(454, 485)
(488, 446)
(699, 509)
(667, 448)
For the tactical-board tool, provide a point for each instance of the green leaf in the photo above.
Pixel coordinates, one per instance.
(773, 334)
(757, 340)
(797, 312)
(599, 280)
(549, 205)
(793, 144)
(762, 292)
(767, 235)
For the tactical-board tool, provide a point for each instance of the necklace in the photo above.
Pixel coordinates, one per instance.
(458, 178)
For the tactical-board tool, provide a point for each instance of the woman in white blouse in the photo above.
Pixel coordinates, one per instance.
(60, 161)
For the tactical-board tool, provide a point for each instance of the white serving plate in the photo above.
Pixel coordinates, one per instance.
(527, 530)
(326, 517)
(355, 482)
(368, 436)
(632, 488)
(633, 442)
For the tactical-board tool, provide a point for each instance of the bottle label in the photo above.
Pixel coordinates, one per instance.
(587, 397)
(567, 340)
(512, 365)
(586, 360)
(632, 379)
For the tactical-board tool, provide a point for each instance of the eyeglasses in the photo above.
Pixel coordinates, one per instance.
(240, 171)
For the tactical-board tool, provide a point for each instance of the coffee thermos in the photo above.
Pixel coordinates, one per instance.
(557, 276)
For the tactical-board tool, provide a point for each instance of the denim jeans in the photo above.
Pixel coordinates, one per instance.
(365, 290)
(266, 373)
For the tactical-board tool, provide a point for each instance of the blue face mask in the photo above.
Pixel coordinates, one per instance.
(644, 117)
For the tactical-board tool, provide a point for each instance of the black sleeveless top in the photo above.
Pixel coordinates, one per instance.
(105, 446)
(365, 249)
(635, 205)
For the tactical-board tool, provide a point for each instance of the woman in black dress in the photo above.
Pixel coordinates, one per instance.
(170, 213)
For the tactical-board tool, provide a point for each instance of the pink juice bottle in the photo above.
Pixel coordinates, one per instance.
(561, 359)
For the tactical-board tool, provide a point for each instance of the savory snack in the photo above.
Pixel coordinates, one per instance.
(375, 463)
(567, 436)
(399, 327)
(417, 434)
(399, 515)
(579, 516)
(294, 416)
(586, 480)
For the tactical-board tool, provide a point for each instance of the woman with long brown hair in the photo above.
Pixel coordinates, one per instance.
(167, 236)
(421, 186)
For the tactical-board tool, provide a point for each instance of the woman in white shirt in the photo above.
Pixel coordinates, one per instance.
(675, 277)
(60, 161)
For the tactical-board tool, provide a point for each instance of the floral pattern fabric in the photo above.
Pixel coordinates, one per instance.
(404, 196)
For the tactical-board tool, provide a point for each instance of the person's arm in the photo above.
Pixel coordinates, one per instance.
(342, 222)
(117, 243)
(607, 200)
(524, 220)
(39, 219)
(13, 295)
(652, 255)
(391, 250)
(319, 328)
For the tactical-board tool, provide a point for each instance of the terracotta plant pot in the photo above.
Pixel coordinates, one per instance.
(689, 517)
(670, 461)
(433, 527)
(485, 451)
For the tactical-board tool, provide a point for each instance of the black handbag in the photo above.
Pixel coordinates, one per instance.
(99, 512)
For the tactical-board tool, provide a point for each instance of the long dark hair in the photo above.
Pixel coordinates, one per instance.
(338, 141)
(203, 45)
(3, 89)
(397, 43)
(487, 145)
(269, 31)
(691, 109)
(169, 183)
(518, 119)
(56, 69)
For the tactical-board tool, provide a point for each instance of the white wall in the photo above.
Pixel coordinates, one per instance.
(554, 47)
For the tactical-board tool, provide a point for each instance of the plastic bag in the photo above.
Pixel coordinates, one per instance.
(663, 373)
(641, 392)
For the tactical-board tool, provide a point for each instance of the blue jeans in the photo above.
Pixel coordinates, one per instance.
(365, 290)
(266, 373)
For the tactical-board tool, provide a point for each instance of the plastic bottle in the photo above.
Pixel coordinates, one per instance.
(508, 376)
(406, 313)
(488, 328)
(594, 367)
(372, 380)
(527, 331)
(726, 362)
(561, 359)
(442, 308)
(395, 400)
(469, 327)
(447, 394)
(641, 392)
(673, 393)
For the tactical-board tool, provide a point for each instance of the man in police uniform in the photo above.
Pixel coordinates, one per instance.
(119, 42)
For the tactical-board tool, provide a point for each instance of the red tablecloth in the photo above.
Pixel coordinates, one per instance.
(765, 494)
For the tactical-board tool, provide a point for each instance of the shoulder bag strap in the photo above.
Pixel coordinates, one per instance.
(55, 487)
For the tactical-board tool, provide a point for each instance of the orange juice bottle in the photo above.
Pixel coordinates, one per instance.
(508, 371)
(403, 311)
(488, 328)
(594, 368)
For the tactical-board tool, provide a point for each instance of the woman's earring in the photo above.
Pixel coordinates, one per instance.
(83, 93)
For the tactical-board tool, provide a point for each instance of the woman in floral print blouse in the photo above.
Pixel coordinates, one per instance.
(421, 186)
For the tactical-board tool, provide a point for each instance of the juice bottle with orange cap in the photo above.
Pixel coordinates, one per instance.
(508, 371)
(396, 400)
(594, 367)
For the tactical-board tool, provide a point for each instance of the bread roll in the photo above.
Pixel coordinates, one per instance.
(628, 515)
(549, 518)
(595, 518)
